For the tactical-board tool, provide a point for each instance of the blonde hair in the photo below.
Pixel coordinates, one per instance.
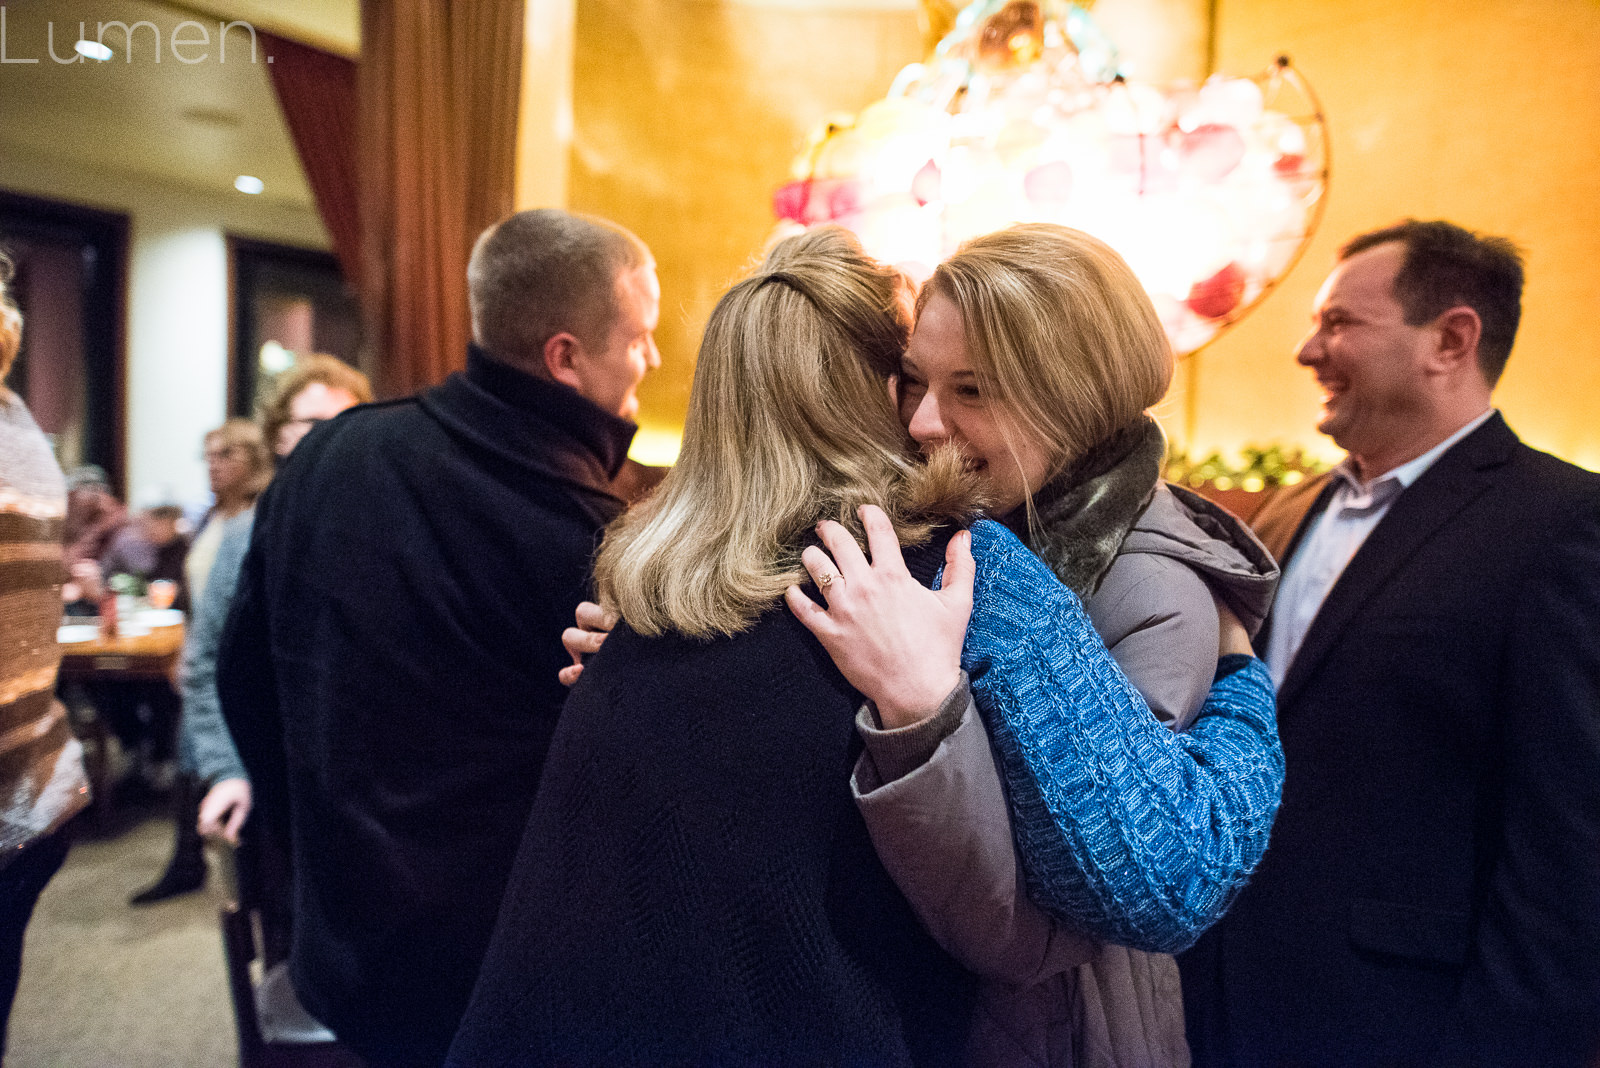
(789, 423)
(1061, 334)
(309, 368)
(10, 324)
(245, 434)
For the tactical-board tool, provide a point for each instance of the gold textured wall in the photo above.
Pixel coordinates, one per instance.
(687, 115)
(1479, 111)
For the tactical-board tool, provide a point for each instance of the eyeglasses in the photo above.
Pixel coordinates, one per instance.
(222, 453)
(308, 423)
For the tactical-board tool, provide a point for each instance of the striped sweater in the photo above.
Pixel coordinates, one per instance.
(41, 764)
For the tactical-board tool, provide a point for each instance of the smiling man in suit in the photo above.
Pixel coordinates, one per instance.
(1432, 891)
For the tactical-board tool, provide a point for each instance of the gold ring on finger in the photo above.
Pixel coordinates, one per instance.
(825, 579)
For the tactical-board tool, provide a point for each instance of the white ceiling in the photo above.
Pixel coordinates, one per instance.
(333, 25)
(194, 124)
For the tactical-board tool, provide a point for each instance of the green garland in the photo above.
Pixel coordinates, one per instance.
(1263, 468)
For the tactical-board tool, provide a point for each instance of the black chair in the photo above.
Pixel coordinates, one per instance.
(256, 928)
(255, 1051)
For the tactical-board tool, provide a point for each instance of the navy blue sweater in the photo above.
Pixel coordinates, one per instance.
(696, 885)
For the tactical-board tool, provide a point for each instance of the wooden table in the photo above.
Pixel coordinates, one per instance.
(148, 657)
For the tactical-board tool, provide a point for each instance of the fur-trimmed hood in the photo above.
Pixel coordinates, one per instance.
(1181, 524)
(1112, 501)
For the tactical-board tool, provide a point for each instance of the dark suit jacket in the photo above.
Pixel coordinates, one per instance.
(1431, 894)
(389, 675)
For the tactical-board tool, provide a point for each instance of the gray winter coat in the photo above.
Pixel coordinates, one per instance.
(1154, 604)
(932, 799)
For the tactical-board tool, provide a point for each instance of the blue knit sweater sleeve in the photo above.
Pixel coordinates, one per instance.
(1138, 835)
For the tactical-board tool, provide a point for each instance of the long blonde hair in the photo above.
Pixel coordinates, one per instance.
(1061, 334)
(789, 423)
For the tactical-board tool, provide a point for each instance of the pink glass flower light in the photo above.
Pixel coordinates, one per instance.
(1210, 192)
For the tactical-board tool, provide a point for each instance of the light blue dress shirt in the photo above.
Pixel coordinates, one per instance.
(1353, 512)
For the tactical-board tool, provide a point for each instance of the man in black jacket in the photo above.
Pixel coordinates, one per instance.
(389, 667)
(1431, 895)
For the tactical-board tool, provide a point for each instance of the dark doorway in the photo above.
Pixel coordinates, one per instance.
(285, 302)
(71, 269)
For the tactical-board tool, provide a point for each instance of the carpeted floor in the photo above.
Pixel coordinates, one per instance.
(109, 986)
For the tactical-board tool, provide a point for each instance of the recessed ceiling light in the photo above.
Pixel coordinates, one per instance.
(92, 50)
(246, 183)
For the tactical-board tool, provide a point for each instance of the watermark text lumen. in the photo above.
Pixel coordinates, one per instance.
(190, 43)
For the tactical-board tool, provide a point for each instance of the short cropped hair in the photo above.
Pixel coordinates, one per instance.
(10, 323)
(308, 369)
(1447, 266)
(544, 272)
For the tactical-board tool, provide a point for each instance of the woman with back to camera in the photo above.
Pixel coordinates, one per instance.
(1037, 351)
(695, 884)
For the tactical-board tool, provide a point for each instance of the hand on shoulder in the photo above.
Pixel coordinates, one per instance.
(894, 639)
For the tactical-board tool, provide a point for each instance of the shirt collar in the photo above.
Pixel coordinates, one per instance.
(1391, 482)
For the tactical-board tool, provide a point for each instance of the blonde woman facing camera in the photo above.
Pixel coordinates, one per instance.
(1037, 352)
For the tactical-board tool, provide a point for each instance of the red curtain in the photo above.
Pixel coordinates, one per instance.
(438, 90)
(317, 92)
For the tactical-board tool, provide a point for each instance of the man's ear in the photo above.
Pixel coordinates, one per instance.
(561, 355)
(1459, 331)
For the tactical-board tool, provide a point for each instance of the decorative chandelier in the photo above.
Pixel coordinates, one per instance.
(1209, 192)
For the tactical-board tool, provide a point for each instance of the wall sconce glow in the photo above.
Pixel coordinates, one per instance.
(246, 183)
(656, 446)
(96, 50)
(274, 358)
(1210, 192)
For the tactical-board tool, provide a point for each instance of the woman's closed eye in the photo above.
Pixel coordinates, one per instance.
(912, 391)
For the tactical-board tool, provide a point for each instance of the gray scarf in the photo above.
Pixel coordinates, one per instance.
(1083, 514)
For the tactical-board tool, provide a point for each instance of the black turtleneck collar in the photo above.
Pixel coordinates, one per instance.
(603, 433)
